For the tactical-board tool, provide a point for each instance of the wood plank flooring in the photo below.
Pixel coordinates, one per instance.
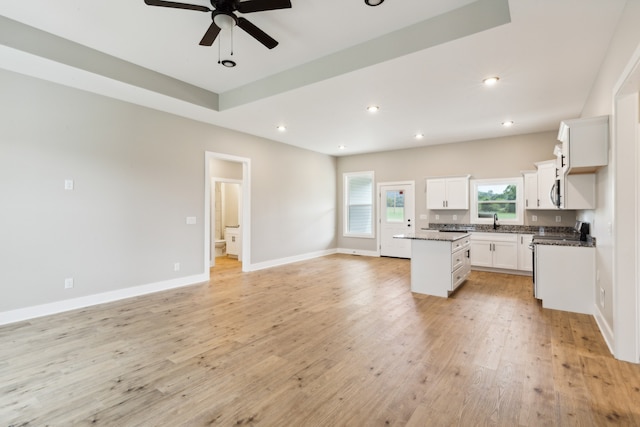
(335, 341)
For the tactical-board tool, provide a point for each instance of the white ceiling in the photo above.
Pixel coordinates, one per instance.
(421, 61)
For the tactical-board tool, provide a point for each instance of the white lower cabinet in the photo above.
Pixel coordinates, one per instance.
(565, 277)
(494, 250)
(232, 236)
(525, 257)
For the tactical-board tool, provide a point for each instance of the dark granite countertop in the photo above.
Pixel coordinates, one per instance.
(556, 236)
(433, 235)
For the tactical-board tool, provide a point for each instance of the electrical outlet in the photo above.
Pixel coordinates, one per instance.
(534, 218)
(437, 217)
(602, 297)
(68, 283)
(424, 216)
(176, 266)
(455, 217)
(558, 218)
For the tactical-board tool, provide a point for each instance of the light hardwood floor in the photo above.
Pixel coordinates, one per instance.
(338, 340)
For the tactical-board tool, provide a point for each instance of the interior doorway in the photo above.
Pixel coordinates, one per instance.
(226, 219)
(235, 171)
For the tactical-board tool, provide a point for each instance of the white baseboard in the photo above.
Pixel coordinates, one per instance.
(27, 313)
(289, 260)
(358, 252)
(605, 330)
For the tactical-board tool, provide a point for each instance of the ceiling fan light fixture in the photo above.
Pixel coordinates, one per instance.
(225, 21)
(373, 2)
(228, 63)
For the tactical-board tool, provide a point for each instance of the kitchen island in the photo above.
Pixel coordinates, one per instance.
(439, 261)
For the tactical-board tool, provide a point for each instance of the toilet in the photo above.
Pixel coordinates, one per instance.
(221, 246)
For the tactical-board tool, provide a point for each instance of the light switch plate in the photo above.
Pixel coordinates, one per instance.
(68, 184)
(191, 220)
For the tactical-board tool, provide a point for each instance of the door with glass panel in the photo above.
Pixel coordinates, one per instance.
(396, 215)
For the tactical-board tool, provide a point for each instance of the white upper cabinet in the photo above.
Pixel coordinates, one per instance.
(538, 184)
(584, 144)
(448, 193)
(530, 189)
(546, 179)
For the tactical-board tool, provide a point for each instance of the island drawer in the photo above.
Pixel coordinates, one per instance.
(460, 244)
(459, 276)
(458, 259)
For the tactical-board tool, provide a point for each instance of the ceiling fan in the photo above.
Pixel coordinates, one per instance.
(223, 16)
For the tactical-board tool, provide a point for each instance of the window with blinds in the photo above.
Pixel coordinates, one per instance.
(358, 204)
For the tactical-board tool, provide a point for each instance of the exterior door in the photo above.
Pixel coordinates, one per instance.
(396, 216)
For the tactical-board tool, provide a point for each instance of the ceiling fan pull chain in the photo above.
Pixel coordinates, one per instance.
(219, 61)
(231, 41)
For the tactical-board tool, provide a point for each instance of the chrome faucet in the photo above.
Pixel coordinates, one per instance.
(495, 221)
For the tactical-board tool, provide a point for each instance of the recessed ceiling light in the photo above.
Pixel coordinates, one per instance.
(373, 2)
(372, 108)
(490, 81)
(342, 147)
(419, 135)
(281, 128)
(508, 123)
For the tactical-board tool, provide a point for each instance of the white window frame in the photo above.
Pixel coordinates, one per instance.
(345, 207)
(517, 181)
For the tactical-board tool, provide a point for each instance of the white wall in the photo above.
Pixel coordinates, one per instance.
(138, 174)
(600, 102)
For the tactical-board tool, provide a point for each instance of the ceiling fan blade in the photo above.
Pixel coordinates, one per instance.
(257, 33)
(262, 5)
(177, 5)
(210, 35)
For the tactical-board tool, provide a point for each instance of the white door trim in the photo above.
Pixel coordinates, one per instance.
(379, 186)
(626, 299)
(245, 219)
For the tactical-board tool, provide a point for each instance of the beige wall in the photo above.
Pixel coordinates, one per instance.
(490, 158)
(138, 174)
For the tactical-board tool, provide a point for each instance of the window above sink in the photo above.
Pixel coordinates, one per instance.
(502, 196)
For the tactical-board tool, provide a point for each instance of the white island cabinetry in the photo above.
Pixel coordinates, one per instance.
(439, 264)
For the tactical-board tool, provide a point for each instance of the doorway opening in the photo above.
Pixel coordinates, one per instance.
(228, 219)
